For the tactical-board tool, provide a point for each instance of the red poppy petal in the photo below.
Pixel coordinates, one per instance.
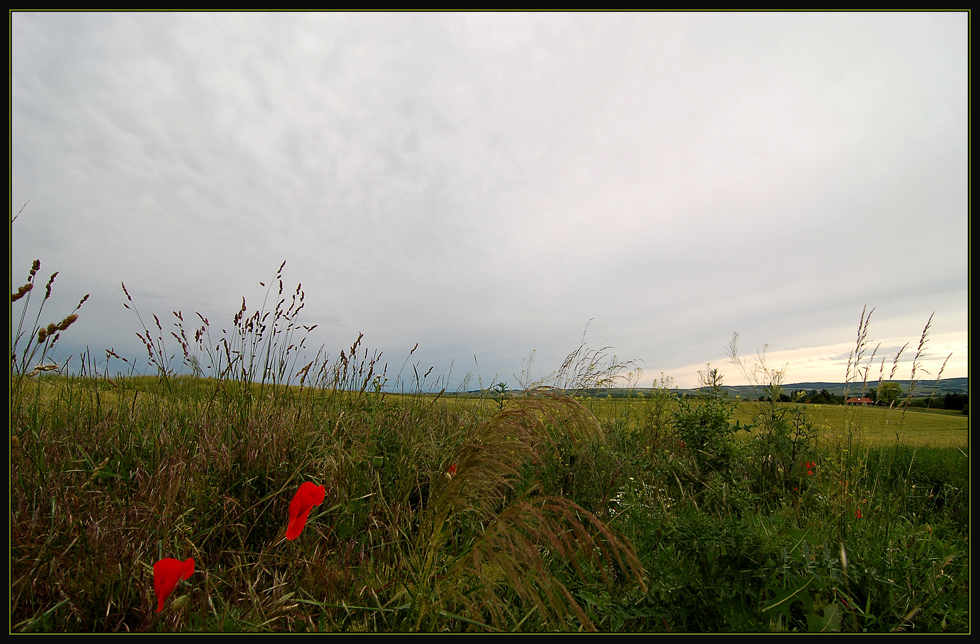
(296, 526)
(167, 573)
(306, 497)
(314, 493)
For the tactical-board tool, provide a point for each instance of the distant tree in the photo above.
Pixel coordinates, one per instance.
(888, 393)
(929, 403)
(955, 401)
(824, 398)
(500, 389)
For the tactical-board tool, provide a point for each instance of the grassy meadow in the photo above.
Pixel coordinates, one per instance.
(537, 511)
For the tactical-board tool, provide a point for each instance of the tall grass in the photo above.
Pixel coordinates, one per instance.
(113, 473)
(532, 511)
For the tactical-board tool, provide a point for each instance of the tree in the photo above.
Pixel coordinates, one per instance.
(955, 401)
(888, 393)
(824, 398)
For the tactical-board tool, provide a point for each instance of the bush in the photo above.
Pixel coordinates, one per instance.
(705, 425)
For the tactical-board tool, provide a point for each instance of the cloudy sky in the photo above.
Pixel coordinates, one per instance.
(490, 185)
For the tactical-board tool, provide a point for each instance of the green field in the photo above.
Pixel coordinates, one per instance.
(869, 426)
(537, 512)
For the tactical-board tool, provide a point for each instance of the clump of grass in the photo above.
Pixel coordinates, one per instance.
(504, 536)
(856, 373)
(584, 370)
(38, 339)
(263, 347)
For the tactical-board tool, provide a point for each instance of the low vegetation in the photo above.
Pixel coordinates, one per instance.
(530, 511)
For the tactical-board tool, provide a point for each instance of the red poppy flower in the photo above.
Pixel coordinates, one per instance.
(167, 573)
(306, 497)
(859, 515)
(452, 469)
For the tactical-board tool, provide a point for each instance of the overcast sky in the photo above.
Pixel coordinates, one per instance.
(488, 184)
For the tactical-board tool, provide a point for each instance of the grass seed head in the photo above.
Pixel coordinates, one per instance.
(21, 292)
(67, 322)
(47, 287)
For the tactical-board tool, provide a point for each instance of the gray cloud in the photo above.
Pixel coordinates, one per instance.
(488, 183)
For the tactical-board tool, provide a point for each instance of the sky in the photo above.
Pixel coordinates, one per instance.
(492, 186)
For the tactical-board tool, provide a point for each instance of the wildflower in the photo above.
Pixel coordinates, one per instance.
(167, 573)
(451, 472)
(858, 514)
(306, 497)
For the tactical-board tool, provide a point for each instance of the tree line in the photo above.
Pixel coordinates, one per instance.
(887, 394)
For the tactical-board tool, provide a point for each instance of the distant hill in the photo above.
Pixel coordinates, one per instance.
(922, 387)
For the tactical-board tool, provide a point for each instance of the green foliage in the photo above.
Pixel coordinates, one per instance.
(705, 425)
(888, 393)
(782, 444)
